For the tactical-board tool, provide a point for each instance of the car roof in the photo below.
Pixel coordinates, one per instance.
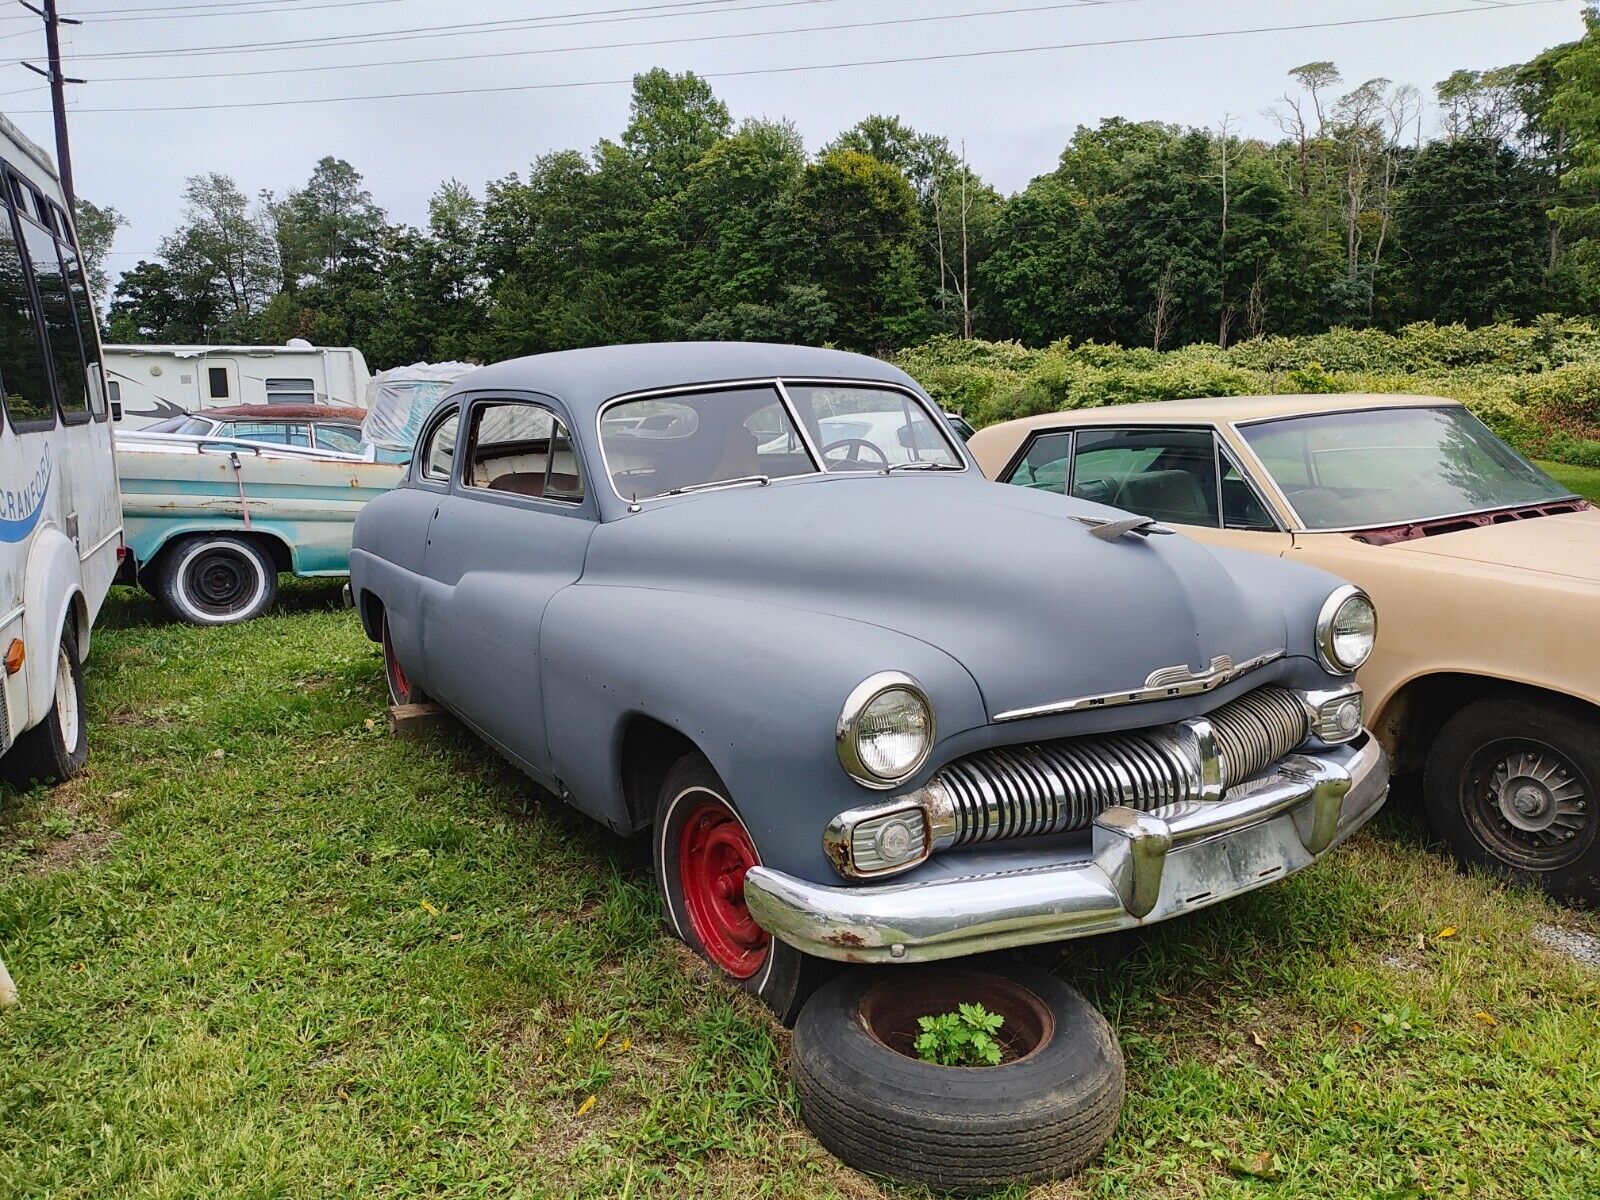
(285, 412)
(1228, 408)
(586, 379)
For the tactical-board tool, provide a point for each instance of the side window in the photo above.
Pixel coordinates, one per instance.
(439, 452)
(61, 326)
(523, 449)
(291, 391)
(279, 432)
(1241, 507)
(1044, 463)
(217, 382)
(88, 323)
(23, 373)
(346, 439)
(1168, 474)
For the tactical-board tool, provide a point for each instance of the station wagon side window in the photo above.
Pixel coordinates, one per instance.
(23, 374)
(1167, 474)
(439, 449)
(523, 449)
(346, 439)
(1044, 464)
(278, 432)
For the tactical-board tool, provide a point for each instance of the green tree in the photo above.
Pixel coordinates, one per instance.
(1471, 222)
(224, 247)
(861, 225)
(97, 229)
(1045, 278)
(153, 303)
(674, 120)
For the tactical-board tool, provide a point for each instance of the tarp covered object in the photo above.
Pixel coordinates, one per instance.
(400, 399)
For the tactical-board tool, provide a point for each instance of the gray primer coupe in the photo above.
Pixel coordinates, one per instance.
(873, 707)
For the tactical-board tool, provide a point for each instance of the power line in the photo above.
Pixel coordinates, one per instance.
(604, 16)
(102, 16)
(949, 56)
(708, 37)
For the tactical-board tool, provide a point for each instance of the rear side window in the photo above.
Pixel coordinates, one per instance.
(1045, 463)
(61, 326)
(523, 449)
(439, 451)
(22, 356)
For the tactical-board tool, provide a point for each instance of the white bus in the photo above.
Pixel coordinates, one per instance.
(60, 517)
(153, 383)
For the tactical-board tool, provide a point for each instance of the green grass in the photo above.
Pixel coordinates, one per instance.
(265, 950)
(1583, 480)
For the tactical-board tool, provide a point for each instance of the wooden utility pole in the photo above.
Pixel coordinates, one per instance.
(58, 91)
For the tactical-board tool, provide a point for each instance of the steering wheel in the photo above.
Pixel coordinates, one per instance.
(852, 448)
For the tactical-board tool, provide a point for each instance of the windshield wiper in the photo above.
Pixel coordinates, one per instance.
(758, 480)
(919, 464)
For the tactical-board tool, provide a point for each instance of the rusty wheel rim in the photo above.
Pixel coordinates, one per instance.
(889, 1009)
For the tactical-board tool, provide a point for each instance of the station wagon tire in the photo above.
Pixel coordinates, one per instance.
(701, 850)
(1513, 785)
(57, 747)
(1042, 1115)
(216, 579)
(401, 689)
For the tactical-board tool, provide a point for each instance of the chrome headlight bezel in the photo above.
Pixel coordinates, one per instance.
(847, 733)
(1327, 618)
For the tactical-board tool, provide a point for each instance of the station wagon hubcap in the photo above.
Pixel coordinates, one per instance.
(714, 853)
(1529, 804)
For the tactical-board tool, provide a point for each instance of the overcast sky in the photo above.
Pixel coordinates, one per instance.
(1014, 111)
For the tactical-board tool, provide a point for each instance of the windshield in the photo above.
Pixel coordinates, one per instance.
(1394, 466)
(668, 444)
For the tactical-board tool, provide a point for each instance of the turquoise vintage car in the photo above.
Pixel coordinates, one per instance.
(211, 522)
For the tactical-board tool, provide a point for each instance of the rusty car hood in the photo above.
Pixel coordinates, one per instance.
(1564, 544)
(1004, 580)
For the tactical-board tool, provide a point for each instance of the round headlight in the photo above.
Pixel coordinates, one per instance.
(1347, 627)
(885, 730)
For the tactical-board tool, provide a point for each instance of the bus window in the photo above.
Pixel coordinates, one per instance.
(88, 322)
(22, 371)
(61, 327)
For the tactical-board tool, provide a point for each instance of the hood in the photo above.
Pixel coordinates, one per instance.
(1566, 544)
(1001, 578)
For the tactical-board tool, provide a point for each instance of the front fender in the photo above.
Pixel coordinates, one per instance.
(757, 687)
(53, 584)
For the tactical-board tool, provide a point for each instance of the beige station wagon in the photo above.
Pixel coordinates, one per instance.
(1485, 573)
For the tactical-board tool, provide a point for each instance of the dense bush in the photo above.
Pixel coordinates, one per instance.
(1538, 386)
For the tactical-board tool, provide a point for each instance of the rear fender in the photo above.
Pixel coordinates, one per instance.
(52, 591)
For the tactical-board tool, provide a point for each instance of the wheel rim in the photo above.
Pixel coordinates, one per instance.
(714, 853)
(67, 716)
(1529, 805)
(890, 1009)
(399, 684)
(220, 581)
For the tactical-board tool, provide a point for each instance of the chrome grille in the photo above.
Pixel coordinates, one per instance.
(1258, 728)
(1053, 787)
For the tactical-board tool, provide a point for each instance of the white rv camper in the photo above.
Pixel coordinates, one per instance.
(151, 383)
(60, 519)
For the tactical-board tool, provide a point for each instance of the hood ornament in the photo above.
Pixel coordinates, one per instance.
(1109, 530)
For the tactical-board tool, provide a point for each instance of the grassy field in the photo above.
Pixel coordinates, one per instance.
(265, 950)
(1583, 480)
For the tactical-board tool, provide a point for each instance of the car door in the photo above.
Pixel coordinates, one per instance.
(511, 531)
(1183, 476)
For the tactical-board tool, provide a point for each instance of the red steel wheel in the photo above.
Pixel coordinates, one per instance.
(714, 853)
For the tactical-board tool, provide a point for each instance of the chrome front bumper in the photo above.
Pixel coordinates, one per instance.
(1134, 868)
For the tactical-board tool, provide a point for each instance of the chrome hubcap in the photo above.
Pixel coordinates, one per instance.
(1538, 794)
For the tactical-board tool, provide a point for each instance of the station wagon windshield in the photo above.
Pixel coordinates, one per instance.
(1394, 466)
(666, 445)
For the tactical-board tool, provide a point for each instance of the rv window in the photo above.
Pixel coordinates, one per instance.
(217, 379)
(61, 327)
(291, 391)
(88, 323)
(22, 369)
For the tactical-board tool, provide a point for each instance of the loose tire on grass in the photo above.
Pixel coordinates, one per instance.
(57, 747)
(1513, 784)
(216, 579)
(702, 851)
(1042, 1114)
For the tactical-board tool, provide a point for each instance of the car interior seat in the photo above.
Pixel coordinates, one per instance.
(1173, 496)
